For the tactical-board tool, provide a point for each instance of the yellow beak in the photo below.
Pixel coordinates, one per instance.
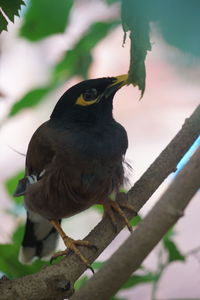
(123, 79)
(117, 83)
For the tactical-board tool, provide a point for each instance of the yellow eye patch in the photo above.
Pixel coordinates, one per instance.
(88, 97)
(82, 102)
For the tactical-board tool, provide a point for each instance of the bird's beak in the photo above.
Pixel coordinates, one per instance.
(117, 83)
(121, 80)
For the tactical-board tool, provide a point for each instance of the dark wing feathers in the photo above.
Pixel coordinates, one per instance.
(40, 151)
(39, 155)
(40, 237)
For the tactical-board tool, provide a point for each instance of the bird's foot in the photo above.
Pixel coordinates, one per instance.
(72, 247)
(110, 206)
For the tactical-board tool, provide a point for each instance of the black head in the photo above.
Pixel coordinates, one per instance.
(88, 100)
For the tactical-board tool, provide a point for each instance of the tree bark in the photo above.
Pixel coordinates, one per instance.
(56, 281)
(127, 259)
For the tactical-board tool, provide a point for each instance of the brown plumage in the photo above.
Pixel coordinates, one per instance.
(81, 180)
(74, 160)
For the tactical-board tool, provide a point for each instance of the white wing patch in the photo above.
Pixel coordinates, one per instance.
(42, 173)
(32, 179)
(25, 182)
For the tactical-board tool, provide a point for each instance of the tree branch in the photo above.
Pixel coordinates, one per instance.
(127, 259)
(56, 281)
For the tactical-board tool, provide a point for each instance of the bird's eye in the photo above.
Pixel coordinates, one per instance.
(89, 95)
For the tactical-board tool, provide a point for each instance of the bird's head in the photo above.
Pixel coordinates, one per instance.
(89, 99)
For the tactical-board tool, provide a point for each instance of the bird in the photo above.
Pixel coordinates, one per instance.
(74, 160)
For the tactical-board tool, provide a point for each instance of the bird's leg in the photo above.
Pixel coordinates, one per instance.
(71, 245)
(110, 206)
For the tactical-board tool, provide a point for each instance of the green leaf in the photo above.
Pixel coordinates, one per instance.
(75, 62)
(179, 23)
(44, 18)
(123, 190)
(11, 184)
(112, 1)
(173, 252)
(99, 208)
(80, 282)
(138, 279)
(18, 235)
(97, 265)
(135, 220)
(3, 22)
(135, 18)
(9, 263)
(78, 60)
(170, 233)
(31, 99)
(10, 9)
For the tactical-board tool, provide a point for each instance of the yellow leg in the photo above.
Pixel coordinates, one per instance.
(71, 245)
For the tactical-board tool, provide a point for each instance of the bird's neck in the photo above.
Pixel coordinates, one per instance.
(79, 122)
(84, 118)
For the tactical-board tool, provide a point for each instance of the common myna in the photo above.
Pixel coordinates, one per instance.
(74, 160)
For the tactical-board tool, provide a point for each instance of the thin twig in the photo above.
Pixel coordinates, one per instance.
(192, 251)
(160, 268)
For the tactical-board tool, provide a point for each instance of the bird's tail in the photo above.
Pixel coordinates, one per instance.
(40, 238)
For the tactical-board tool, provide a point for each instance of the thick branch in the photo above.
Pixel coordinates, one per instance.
(53, 281)
(116, 271)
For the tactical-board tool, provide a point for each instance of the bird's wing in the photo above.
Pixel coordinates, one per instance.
(39, 155)
(40, 237)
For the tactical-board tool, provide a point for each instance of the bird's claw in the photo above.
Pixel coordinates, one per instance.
(72, 247)
(110, 206)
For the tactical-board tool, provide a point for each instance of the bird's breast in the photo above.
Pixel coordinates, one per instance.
(103, 143)
(86, 169)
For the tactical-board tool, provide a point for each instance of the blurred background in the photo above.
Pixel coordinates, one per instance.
(38, 65)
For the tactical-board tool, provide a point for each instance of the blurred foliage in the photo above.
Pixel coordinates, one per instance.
(99, 208)
(171, 248)
(74, 62)
(178, 22)
(31, 99)
(112, 1)
(135, 220)
(10, 8)
(44, 18)
(139, 279)
(97, 265)
(9, 263)
(11, 185)
(78, 60)
(166, 256)
(80, 282)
